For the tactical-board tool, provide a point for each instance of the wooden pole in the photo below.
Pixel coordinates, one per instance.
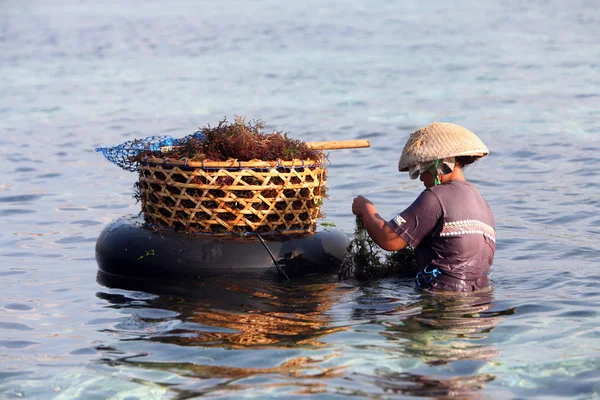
(330, 145)
(339, 144)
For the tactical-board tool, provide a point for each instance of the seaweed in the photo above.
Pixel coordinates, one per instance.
(240, 140)
(366, 260)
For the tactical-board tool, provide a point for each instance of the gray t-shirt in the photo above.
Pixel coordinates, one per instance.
(452, 228)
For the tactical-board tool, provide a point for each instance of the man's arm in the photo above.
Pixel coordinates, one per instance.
(376, 226)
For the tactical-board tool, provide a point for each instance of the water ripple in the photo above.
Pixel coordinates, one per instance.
(21, 198)
(14, 326)
(16, 344)
(15, 211)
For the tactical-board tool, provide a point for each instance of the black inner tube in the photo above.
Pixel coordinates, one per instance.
(128, 249)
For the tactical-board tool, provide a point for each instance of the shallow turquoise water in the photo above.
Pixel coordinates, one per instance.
(524, 76)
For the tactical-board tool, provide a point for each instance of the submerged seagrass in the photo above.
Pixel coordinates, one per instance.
(234, 180)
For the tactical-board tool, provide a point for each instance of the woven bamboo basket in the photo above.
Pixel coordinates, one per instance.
(233, 197)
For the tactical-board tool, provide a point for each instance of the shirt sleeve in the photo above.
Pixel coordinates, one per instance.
(419, 219)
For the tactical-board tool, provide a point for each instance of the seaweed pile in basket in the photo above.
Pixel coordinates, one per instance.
(290, 204)
(241, 141)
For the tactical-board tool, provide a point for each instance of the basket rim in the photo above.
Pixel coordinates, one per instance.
(230, 163)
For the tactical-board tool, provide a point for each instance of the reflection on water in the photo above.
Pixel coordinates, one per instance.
(449, 328)
(228, 315)
(302, 370)
(248, 313)
(467, 387)
(445, 335)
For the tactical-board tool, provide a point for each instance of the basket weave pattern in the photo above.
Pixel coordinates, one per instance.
(227, 197)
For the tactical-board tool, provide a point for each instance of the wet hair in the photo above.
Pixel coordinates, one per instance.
(463, 161)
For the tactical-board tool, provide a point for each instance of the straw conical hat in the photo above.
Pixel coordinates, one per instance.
(437, 141)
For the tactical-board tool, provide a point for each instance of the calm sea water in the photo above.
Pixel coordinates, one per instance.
(525, 76)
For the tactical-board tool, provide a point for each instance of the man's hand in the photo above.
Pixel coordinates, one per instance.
(361, 206)
(377, 227)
